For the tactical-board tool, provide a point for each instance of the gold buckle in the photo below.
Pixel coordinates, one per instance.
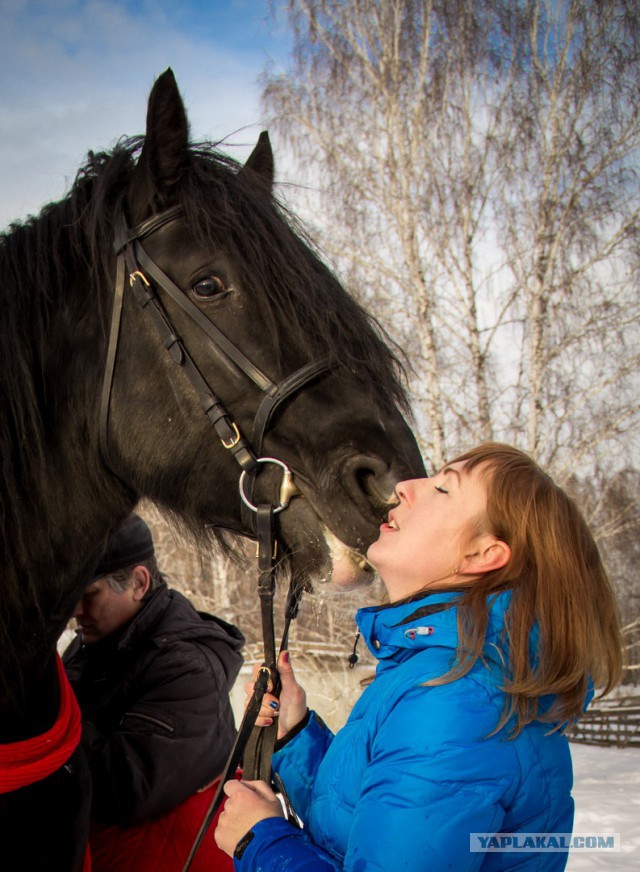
(275, 550)
(233, 441)
(138, 275)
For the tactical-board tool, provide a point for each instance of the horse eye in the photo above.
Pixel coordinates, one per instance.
(210, 287)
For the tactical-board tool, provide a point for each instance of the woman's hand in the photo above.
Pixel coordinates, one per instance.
(290, 708)
(247, 803)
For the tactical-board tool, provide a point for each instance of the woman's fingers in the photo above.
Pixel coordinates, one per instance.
(270, 703)
(290, 708)
(247, 803)
(268, 710)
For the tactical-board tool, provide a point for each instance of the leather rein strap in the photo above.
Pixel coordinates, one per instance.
(254, 744)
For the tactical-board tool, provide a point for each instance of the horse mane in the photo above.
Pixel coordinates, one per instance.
(324, 320)
(40, 260)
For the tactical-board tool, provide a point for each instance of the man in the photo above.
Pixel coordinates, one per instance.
(152, 677)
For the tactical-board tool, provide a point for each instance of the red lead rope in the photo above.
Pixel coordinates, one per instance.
(23, 763)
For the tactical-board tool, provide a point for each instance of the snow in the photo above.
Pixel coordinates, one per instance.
(607, 796)
(65, 640)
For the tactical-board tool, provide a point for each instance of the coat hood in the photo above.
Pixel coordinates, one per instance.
(168, 618)
(396, 632)
(399, 630)
(182, 622)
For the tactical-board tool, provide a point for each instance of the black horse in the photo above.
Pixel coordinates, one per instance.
(211, 229)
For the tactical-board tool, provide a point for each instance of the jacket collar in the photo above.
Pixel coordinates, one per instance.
(401, 629)
(146, 617)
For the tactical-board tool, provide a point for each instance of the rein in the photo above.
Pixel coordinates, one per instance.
(253, 744)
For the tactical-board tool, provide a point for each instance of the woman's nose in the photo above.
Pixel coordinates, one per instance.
(404, 490)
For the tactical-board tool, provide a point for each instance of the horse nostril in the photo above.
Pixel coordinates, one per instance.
(370, 485)
(370, 480)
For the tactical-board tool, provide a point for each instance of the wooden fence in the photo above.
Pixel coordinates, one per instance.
(614, 722)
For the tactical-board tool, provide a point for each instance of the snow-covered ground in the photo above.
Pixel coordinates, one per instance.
(607, 796)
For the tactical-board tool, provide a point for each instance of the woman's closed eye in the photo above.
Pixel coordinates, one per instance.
(442, 490)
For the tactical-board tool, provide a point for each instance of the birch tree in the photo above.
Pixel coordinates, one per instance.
(474, 169)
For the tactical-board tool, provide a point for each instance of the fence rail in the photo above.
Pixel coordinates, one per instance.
(615, 723)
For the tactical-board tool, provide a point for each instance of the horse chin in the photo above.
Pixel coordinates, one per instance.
(318, 556)
(349, 569)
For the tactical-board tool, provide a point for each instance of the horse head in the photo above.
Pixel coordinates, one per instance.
(292, 362)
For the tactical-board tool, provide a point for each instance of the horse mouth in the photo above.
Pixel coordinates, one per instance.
(350, 569)
(319, 553)
(327, 538)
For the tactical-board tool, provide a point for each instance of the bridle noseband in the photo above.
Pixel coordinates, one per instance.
(144, 276)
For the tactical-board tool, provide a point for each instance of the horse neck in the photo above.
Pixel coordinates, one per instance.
(55, 517)
(33, 708)
(58, 500)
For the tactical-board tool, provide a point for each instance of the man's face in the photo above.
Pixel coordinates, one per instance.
(101, 610)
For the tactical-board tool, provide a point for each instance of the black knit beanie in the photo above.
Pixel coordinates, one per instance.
(130, 544)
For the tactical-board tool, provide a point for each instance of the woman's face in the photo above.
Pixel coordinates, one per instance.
(430, 531)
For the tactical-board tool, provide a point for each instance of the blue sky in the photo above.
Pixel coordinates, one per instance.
(75, 75)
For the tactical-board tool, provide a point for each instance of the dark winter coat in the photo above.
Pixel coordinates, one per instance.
(157, 721)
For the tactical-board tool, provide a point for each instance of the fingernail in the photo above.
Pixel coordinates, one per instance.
(274, 704)
(285, 656)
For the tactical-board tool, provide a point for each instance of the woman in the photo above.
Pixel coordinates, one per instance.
(500, 617)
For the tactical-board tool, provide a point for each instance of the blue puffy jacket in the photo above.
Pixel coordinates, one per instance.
(413, 772)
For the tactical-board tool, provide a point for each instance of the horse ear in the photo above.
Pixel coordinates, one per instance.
(260, 162)
(165, 154)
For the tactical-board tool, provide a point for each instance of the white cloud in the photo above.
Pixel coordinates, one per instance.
(76, 76)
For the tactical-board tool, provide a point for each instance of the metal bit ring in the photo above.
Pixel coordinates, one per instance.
(285, 472)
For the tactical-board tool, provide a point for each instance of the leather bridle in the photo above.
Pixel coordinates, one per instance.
(254, 744)
(134, 260)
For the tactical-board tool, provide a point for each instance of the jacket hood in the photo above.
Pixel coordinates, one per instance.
(185, 621)
(399, 630)
(165, 626)
(396, 632)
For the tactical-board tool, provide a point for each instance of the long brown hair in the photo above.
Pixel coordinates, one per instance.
(558, 583)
